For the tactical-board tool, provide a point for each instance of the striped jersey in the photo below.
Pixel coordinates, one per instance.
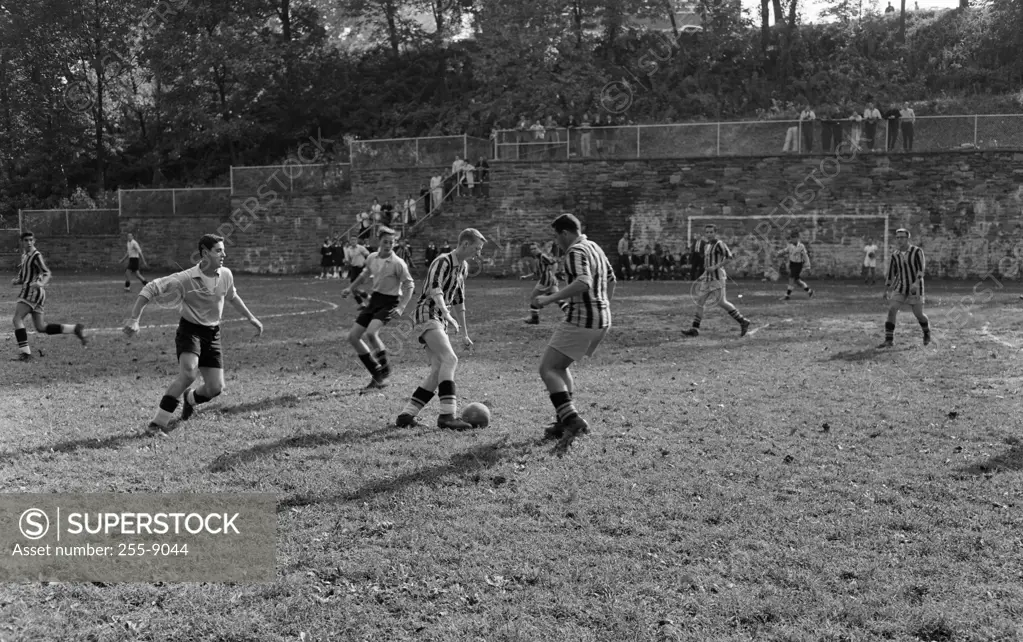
(32, 269)
(904, 268)
(446, 276)
(797, 252)
(715, 252)
(586, 262)
(545, 269)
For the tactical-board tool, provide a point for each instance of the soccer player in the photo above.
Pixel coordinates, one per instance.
(906, 276)
(591, 283)
(870, 262)
(393, 287)
(443, 291)
(201, 291)
(33, 275)
(546, 282)
(355, 256)
(799, 260)
(711, 284)
(133, 256)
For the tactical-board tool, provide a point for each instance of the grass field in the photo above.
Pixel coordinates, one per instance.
(796, 484)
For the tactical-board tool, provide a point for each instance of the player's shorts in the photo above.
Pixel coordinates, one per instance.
(795, 269)
(34, 297)
(870, 263)
(544, 289)
(133, 264)
(907, 299)
(353, 272)
(380, 307)
(201, 340)
(430, 324)
(575, 342)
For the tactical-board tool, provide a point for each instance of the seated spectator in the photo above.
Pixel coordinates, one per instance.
(645, 266)
(387, 213)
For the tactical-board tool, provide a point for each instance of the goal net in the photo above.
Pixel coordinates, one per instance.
(835, 243)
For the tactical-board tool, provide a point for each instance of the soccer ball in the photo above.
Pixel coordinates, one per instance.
(476, 414)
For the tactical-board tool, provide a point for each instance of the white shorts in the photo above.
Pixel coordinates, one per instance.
(907, 299)
(575, 342)
(432, 324)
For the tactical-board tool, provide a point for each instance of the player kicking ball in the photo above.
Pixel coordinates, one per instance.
(200, 292)
(711, 284)
(591, 284)
(904, 285)
(443, 291)
(547, 282)
(799, 260)
(393, 287)
(33, 275)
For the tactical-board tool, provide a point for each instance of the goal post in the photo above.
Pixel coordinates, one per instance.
(834, 241)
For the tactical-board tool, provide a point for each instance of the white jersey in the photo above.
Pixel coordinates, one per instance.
(870, 256)
(134, 250)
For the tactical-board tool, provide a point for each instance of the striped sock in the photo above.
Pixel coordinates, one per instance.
(735, 314)
(163, 415)
(58, 328)
(534, 313)
(446, 392)
(417, 401)
(889, 331)
(563, 406)
(696, 323)
(21, 334)
(370, 363)
(381, 357)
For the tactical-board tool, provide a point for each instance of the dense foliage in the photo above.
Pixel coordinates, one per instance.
(122, 93)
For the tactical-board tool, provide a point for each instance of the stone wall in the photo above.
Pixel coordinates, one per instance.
(964, 208)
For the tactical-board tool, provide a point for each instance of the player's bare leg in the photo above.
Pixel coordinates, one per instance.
(377, 347)
(188, 372)
(925, 323)
(555, 373)
(212, 386)
(22, 310)
(355, 338)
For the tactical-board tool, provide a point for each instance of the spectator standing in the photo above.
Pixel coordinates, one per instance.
(908, 120)
(892, 116)
(599, 132)
(829, 124)
(871, 117)
(326, 258)
(424, 193)
(806, 118)
(458, 173)
(365, 225)
(855, 129)
(484, 169)
(624, 264)
(437, 191)
(431, 253)
(375, 209)
(446, 248)
(470, 178)
(585, 136)
(791, 140)
(409, 211)
(337, 257)
(387, 213)
(551, 128)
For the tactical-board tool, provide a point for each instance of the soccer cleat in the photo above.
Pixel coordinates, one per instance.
(691, 332)
(554, 431)
(573, 428)
(406, 420)
(24, 356)
(80, 333)
(532, 321)
(810, 293)
(927, 339)
(786, 298)
(376, 383)
(384, 372)
(155, 430)
(886, 344)
(744, 328)
(452, 423)
(187, 409)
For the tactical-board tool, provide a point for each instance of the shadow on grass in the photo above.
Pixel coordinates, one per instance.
(478, 458)
(1010, 461)
(75, 445)
(229, 461)
(866, 354)
(283, 401)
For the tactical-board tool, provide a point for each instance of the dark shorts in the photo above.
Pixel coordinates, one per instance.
(133, 264)
(353, 272)
(795, 269)
(200, 340)
(380, 307)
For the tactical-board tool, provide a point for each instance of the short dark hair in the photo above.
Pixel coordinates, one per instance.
(567, 223)
(25, 235)
(710, 225)
(208, 241)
